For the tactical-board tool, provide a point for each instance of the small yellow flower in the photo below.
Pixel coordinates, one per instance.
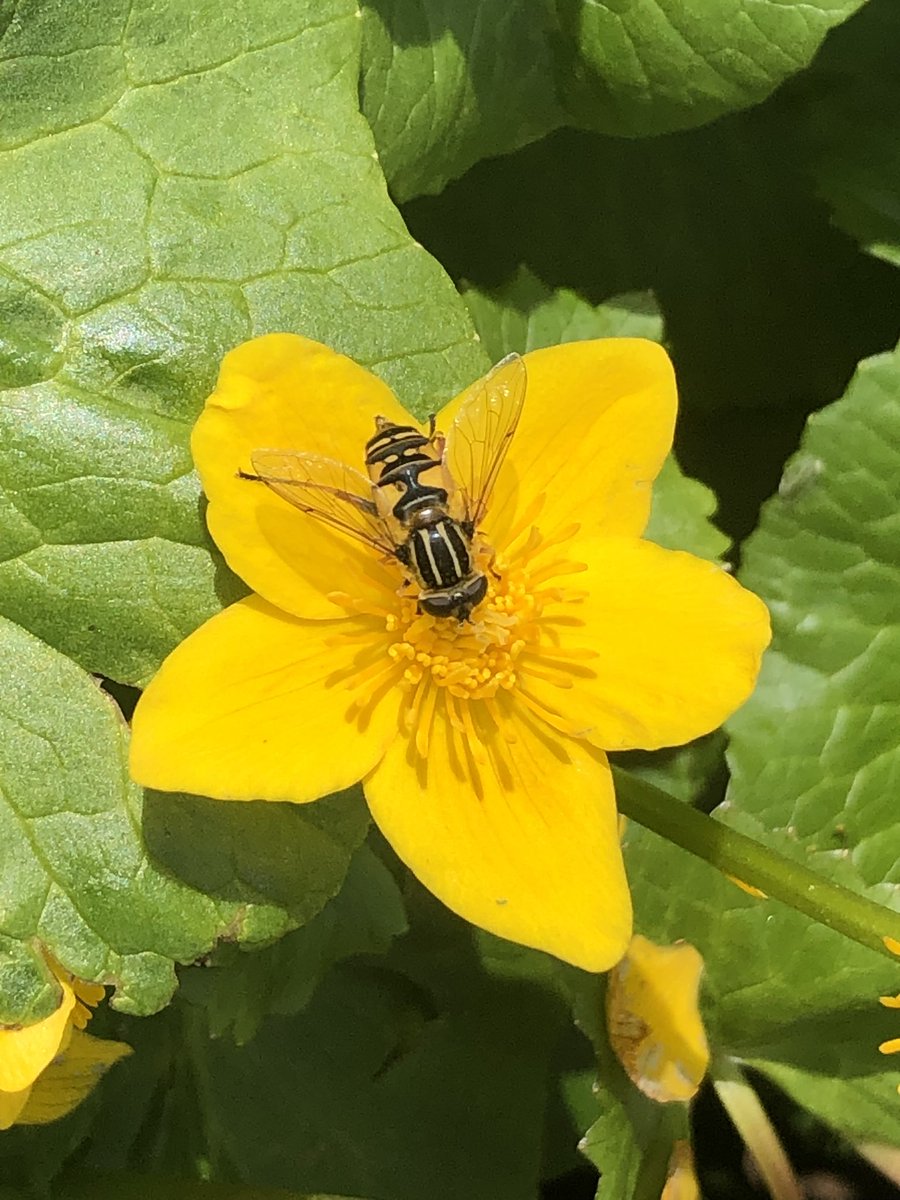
(46, 1069)
(480, 745)
(654, 1021)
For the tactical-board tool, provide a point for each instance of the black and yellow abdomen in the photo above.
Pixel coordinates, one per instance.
(410, 483)
(401, 458)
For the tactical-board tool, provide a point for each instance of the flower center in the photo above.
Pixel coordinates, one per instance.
(472, 659)
(445, 664)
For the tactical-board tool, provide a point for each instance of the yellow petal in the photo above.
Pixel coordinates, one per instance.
(70, 1078)
(286, 392)
(677, 641)
(653, 1019)
(599, 416)
(528, 850)
(255, 704)
(25, 1052)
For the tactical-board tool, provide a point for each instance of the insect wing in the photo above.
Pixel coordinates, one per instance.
(482, 433)
(327, 490)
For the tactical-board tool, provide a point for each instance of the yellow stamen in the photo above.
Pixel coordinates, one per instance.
(451, 663)
(890, 1047)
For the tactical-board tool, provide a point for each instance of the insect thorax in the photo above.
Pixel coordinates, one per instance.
(439, 554)
(437, 547)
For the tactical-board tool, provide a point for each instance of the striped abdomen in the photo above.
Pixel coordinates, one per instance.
(403, 458)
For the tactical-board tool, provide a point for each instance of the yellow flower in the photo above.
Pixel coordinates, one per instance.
(46, 1069)
(480, 744)
(654, 1021)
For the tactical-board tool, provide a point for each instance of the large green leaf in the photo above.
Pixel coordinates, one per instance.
(525, 314)
(814, 753)
(448, 82)
(120, 889)
(176, 177)
(657, 65)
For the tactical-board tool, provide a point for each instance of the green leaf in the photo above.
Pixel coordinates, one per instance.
(225, 187)
(659, 65)
(239, 989)
(525, 314)
(446, 84)
(119, 890)
(815, 751)
(630, 1152)
(764, 990)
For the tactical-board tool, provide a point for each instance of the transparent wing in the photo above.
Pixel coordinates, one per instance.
(327, 490)
(482, 432)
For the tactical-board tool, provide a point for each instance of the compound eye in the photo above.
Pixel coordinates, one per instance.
(440, 605)
(475, 591)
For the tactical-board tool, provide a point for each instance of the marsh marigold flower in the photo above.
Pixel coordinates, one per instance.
(480, 744)
(46, 1069)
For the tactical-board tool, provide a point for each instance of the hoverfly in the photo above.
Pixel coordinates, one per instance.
(425, 496)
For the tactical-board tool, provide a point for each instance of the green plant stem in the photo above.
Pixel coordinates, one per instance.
(735, 854)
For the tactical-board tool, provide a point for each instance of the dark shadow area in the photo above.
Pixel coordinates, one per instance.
(126, 697)
(767, 306)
